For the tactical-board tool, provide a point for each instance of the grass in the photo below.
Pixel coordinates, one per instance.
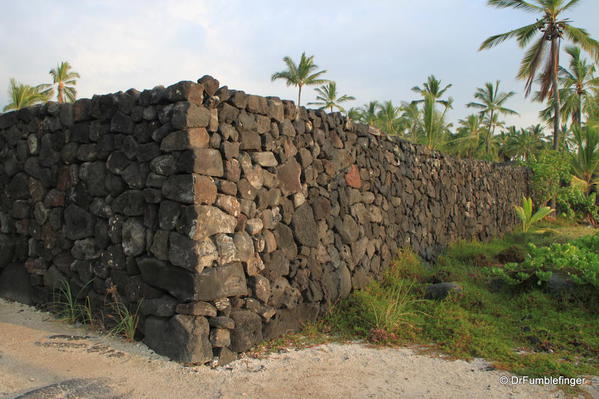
(523, 330)
(74, 308)
(125, 321)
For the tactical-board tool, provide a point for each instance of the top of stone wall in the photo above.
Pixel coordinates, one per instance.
(207, 92)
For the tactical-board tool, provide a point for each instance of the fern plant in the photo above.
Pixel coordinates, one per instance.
(526, 216)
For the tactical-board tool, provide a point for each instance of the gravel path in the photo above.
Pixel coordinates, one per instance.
(45, 359)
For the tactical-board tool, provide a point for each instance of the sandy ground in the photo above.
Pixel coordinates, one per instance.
(42, 358)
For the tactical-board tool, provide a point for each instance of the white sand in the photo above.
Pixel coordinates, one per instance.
(110, 367)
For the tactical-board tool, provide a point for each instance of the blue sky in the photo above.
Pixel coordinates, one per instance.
(374, 50)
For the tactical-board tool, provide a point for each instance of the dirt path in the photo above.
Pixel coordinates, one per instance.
(44, 359)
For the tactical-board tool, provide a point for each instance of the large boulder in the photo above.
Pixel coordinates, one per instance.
(15, 284)
(182, 338)
(221, 281)
(247, 332)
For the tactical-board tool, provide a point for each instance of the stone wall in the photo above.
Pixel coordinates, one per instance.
(225, 218)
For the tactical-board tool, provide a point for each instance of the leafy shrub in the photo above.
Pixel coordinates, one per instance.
(574, 204)
(526, 216)
(579, 260)
(550, 169)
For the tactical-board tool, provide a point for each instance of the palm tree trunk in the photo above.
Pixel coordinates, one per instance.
(60, 93)
(556, 100)
(299, 96)
(491, 129)
(580, 110)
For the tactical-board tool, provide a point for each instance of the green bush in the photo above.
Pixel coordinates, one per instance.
(575, 205)
(579, 260)
(550, 169)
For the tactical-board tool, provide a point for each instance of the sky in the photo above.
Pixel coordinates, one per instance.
(374, 50)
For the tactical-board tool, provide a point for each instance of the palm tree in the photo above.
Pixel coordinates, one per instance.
(492, 102)
(327, 96)
(579, 84)
(65, 79)
(526, 143)
(387, 118)
(433, 121)
(410, 119)
(23, 95)
(585, 163)
(367, 113)
(466, 142)
(552, 30)
(432, 88)
(301, 74)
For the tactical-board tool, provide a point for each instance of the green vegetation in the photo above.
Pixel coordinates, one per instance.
(328, 98)
(578, 261)
(76, 307)
(64, 79)
(526, 216)
(66, 304)
(23, 95)
(548, 31)
(300, 75)
(525, 328)
(126, 321)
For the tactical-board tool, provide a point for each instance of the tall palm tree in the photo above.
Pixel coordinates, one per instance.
(492, 102)
(579, 84)
(22, 95)
(552, 29)
(525, 143)
(410, 119)
(387, 118)
(327, 96)
(585, 163)
(300, 75)
(466, 142)
(368, 113)
(65, 79)
(433, 88)
(433, 121)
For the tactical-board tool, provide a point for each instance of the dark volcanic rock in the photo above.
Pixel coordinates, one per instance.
(182, 338)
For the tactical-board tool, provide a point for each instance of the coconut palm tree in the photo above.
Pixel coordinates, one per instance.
(22, 95)
(579, 83)
(433, 121)
(387, 118)
(367, 113)
(492, 102)
(433, 88)
(525, 143)
(551, 29)
(300, 75)
(410, 119)
(65, 79)
(467, 140)
(327, 96)
(585, 163)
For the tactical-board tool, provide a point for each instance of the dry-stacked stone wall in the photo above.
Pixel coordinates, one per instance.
(225, 218)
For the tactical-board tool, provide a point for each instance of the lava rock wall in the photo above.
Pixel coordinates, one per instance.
(223, 218)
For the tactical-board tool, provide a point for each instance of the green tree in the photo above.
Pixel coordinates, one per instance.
(467, 140)
(300, 75)
(387, 118)
(65, 80)
(434, 125)
(492, 102)
(328, 98)
(585, 163)
(524, 144)
(548, 31)
(369, 112)
(22, 95)
(579, 84)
